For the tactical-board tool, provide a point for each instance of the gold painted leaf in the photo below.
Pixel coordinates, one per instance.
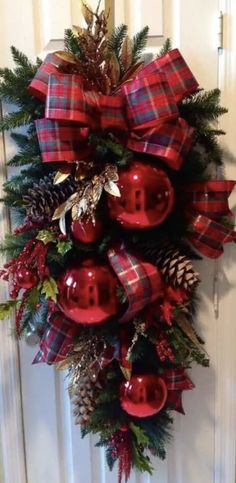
(62, 223)
(97, 193)
(64, 207)
(61, 366)
(87, 13)
(111, 173)
(126, 53)
(114, 70)
(70, 58)
(78, 30)
(112, 188)
(74, 213)
(126, 373)
(187, 329)
(60, 177)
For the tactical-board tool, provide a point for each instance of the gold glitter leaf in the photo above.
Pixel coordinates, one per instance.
(67, 57)
(114, 70)
(112, 188)
(60, 177)
(87, 13)
(126, 53)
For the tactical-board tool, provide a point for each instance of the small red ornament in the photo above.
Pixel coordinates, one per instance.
(87, 231)
(143, 395)
(87, 294)
(25, 278)
(147, 197)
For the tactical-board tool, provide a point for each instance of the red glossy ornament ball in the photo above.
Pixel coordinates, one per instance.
(87, 231)
(143, 396)
(25, 278)
(87, 294)
(147, 197)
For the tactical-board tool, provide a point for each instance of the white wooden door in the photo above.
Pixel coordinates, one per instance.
(39, 442)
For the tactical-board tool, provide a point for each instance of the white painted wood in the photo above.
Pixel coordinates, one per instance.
(203, 449)
(226, 357)
(139, 13)
(11, 421)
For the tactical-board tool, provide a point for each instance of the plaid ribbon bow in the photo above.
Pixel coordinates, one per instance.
(176, 381)
(145, 108)
(207, 204)
(57, 340)
(141, 280)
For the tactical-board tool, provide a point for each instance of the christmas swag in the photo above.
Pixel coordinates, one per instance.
(116, 198)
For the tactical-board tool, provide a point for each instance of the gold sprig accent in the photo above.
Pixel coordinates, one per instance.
(140, 329)
(84, 201)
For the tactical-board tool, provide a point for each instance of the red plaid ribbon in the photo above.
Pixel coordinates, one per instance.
(145, 107)
(171, 140)
(176, 381)
(59, 142)
(207, 203)
(57, 340)
(141, 280)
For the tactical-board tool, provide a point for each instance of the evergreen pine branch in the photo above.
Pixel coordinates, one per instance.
(167, 46)
(139, 43)
(202, 107)
(116, 39)
(72, 44)
(21, 60)
(14, 244)
(28, 149)
(15, 119)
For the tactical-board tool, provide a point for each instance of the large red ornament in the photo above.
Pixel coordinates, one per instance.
(147, 197)
(144, 395)
(25, 278)
(87, 294)
(87, 231)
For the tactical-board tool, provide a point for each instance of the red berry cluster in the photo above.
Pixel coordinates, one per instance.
(28, 268)
(120, 444)
(163, 348)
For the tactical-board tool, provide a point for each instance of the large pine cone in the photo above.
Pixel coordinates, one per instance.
(176, 269)
(42, 200)
(84, 395)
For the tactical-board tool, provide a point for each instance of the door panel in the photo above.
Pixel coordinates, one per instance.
(203, 445)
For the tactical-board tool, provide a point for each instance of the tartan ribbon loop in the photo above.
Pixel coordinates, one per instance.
(140, 280)
(144, 108)
(207, 203)
(177, 381)
(57, 340)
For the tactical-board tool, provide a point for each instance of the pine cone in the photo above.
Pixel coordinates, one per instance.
(176, 269)
(42, 200)
(84, 395)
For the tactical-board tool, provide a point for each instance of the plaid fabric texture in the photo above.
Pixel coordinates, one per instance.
(57, 340)
(146, 107)
(209, 236)
(149, 101)
(176, 381)
(141, 280)
(39, 85)
(178, 74)
(171, 142)
(67, 101)
(207, 203)
(210, 198)
(60, 142)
